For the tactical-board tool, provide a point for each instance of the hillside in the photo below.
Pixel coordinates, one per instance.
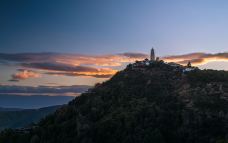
(18, 118)
(145, 103)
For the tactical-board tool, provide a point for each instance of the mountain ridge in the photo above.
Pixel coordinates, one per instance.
(33, 101)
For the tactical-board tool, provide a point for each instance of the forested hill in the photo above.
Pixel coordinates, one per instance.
(148, 102)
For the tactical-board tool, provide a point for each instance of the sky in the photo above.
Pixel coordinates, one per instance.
(82, 42)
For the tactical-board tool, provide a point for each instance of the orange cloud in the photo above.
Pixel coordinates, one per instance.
(24, 74)
(74, 59)
(103, 60)
(71, 70)
(100, 73)
(103, 66)
(100, 66)
(197, 58)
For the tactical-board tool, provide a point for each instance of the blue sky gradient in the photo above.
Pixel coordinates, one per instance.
(113, 26)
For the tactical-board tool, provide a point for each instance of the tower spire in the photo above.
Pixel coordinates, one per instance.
(152, 54)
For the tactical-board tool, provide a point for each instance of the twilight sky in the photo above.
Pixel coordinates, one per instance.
(81, 42)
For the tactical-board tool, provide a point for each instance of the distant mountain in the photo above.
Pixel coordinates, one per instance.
(10, 109)
(148, 102)
(36, 97)
(18, 118)
(43, 89)
(34, 101)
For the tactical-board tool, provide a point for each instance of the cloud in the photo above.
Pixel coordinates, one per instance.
(84, 62)
(24, 74)
(59, 67)
(135, 55)
(97, 75)
(99, 66)
(102, 66)
(197, 58)
(71, 70)
(14, 80)
(73, 59)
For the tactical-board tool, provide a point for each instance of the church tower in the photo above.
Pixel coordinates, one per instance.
(152, 55)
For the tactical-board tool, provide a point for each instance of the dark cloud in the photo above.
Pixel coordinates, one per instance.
(76, 59)
(135, 55)
(185, 56)
(14, 80)
(59, 67)
(193, 61)
(28, 57)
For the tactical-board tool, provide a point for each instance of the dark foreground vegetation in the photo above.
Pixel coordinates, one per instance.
(145, 104)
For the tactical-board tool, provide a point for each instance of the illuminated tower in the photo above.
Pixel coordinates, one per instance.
(152, 55)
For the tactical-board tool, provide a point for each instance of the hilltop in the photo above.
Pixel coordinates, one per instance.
(148, 102)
